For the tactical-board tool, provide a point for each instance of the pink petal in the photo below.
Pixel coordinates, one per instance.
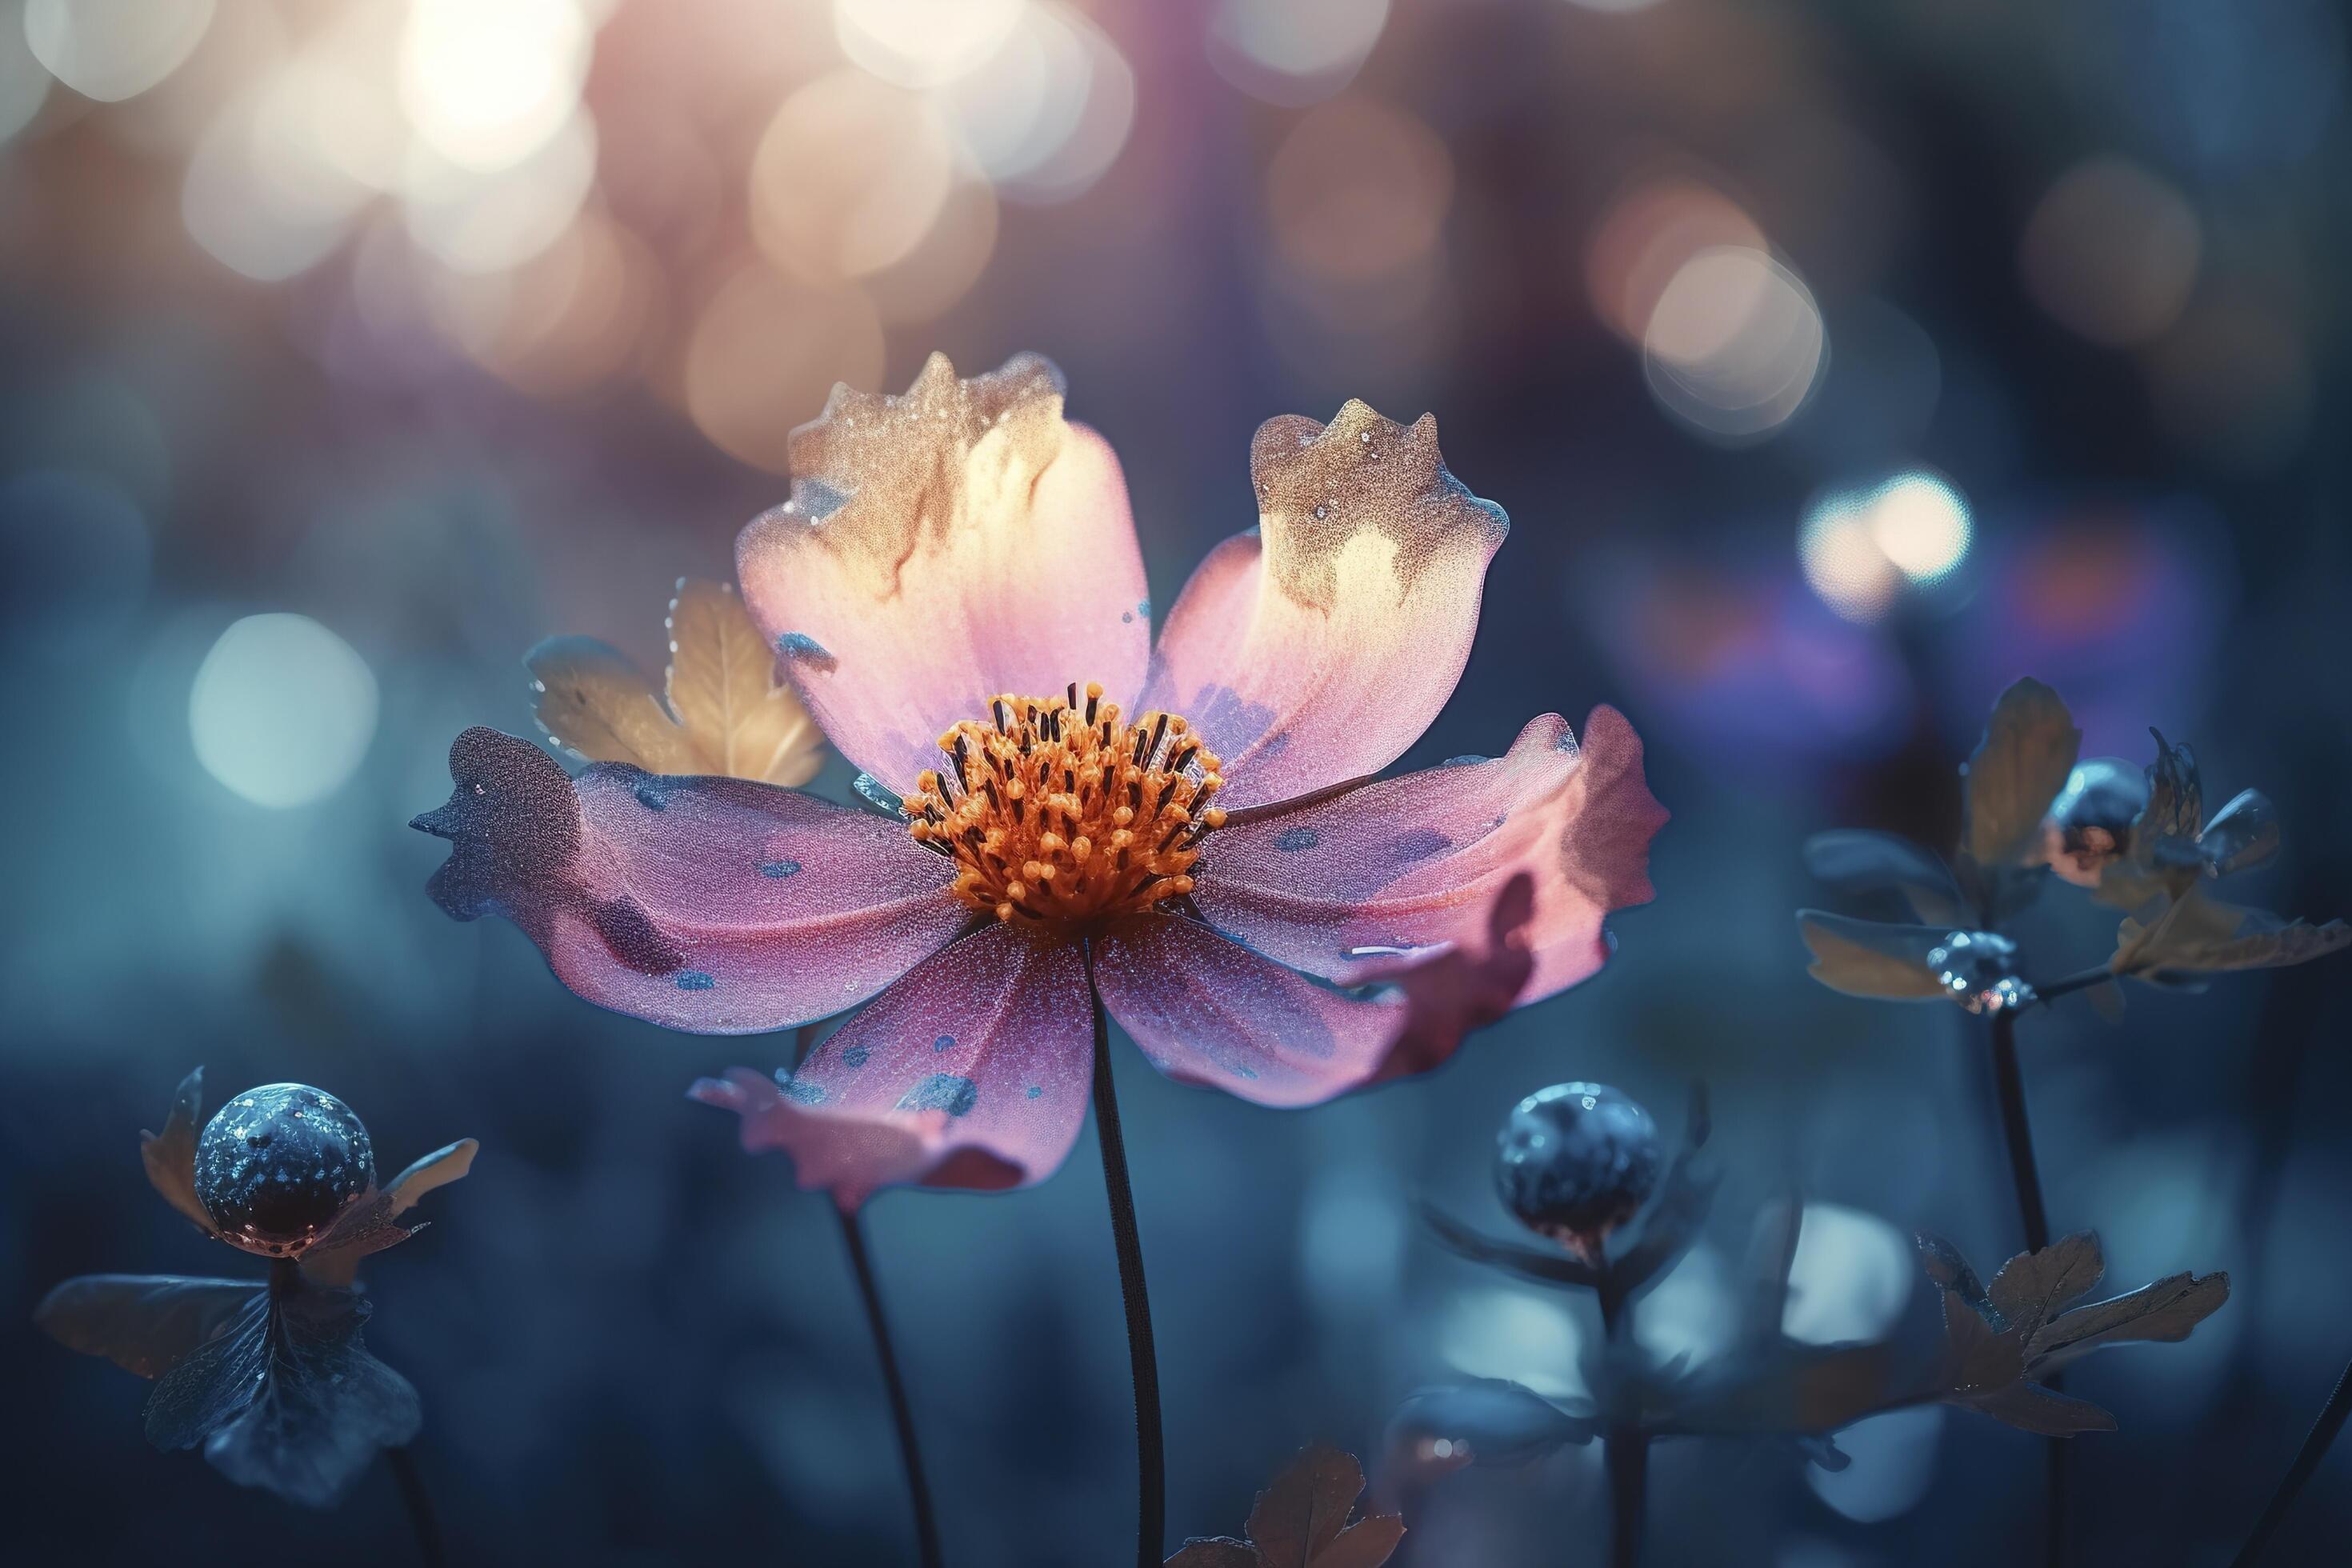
(1412, 862)
(943, 548)
(1207, 1010)
(972, 1071)
(1319, 648)
(719, 906)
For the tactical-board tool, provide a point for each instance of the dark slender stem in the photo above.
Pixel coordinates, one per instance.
(2017, 1132)
(419, 1503)
(893, 1383)
(1625, 1450)
(1143, 1361)
(2306, 1461)
(2081, 979)
(902, 1415)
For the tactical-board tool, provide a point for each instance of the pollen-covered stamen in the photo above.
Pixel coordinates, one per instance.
(1057, 810)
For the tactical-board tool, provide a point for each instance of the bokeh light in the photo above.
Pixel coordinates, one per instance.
(24, 80)
(1647, 236)
(486, 83)
(1894, 1463)
(2111, 252)
(765, 351)
(923, 43)
(1735, 344)
(1851, 1276)
(1358, 190)
(479, 220)
(1294, 52)
(1860, 549)
(111, 49)
(1049, 112)
(282, 711)
(849, 176)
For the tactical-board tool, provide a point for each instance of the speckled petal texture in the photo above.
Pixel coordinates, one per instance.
(1318, 648)
(973, 1071)
(1206, 1010)
(942, 548)
(1411, 862)
(717, 906)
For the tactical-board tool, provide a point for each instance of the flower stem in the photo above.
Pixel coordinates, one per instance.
(2306, 1461)
(902, 1417)
(419, 1504)
(1625, 1450)
(894, 1383)
(2081, 979)
(1143, 1362)
(2018, 1133)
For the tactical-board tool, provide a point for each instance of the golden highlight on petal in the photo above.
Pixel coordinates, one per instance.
(917, 464)
(726, 713)
(1362, 495)
(956, 541)
(1055, 810)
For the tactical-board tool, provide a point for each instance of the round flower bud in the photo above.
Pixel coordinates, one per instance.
(1978, 970)
(2091, 821)
(1575, 1162)
(279, 1165)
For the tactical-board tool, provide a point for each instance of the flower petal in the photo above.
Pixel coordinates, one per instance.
(1206, 1010)
(719, 906)
(972, 1071)
(942, 548)
(1319, 647)
(1414, 862)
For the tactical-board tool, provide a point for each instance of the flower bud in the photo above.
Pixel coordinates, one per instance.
(1978, 970)
(1575, 1162)
(278, 1166)
(2090, 823)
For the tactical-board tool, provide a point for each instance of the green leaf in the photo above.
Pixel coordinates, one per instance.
(1869, 958)
(2029, 747)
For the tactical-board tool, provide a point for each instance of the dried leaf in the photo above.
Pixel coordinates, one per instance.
(2029, 746)
(2176, 798)
(745, 722)
(2200, 934)
(726, 713)
(1301, 1522)
(594, 703)
(143, 1323)
(1856, 861)
(1222, 1552)
(372, 1222)
(1869, 958)
(2002, 1345)
(2166, 1310)
(1672, 1222)
(438, 1169)
(1532, 1263)
(287, 1398)
(170, 1155)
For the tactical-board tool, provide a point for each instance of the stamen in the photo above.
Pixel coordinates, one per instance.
(1117, 827)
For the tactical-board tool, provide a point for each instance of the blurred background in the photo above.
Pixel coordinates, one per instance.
(1837, 363)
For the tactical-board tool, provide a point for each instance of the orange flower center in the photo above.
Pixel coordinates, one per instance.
(1056, 811)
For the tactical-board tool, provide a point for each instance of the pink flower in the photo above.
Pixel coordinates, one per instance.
(1189, 832)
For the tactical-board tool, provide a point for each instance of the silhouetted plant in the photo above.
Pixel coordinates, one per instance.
(1577, 1162)
(269, 1377)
